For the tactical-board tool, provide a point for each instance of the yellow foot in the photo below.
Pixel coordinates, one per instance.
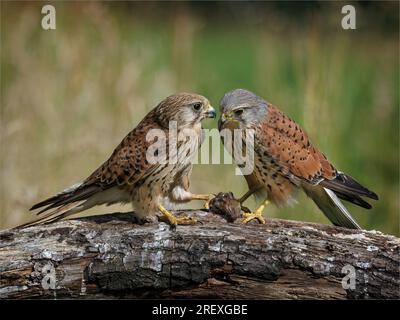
(251, 216)
(207, 203)
(174, 221)
(257, 214)
(206, 197)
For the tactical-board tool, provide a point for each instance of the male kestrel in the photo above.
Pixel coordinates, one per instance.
(285, 160)
(133, 173)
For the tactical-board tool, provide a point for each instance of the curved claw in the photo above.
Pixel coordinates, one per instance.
(251, 216)
(207, 203)
(185, 220)
(174, 221)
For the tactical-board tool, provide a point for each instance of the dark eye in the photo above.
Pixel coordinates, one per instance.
(197, 106)
(238, 112)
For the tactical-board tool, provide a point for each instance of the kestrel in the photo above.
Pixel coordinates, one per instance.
(285, 160)
(133, 173)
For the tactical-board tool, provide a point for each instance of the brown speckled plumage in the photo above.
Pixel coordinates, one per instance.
(287, 144)
(285, 160)
(128, 176)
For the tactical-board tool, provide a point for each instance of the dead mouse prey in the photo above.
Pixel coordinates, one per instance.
(225, 205)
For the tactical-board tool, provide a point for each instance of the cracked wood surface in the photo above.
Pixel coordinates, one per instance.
(110, 256)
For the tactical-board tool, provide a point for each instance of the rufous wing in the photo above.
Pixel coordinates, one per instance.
(287, 144)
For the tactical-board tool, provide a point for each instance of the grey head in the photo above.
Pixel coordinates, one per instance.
(242, 109)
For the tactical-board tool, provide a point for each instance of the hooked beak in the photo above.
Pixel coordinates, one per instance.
(227, 120)
(210, 112)
(227, 116)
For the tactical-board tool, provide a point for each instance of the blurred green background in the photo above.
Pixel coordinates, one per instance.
(68, 96)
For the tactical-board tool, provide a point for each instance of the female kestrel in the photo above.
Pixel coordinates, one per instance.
(133, 173)
(285, 160)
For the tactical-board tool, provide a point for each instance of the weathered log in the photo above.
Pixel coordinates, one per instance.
(110, 256)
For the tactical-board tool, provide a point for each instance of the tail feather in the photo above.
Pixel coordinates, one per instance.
(331, 206)
(59, 196)
(353, 199)
(74, 193)
(72, 200)
(80, 193)
(58, 213)
(344, 184)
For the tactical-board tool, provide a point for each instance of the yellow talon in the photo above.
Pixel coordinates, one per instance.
(251, 216)
(174, 221)
(207, 203)
(258, 214)
(206, 197)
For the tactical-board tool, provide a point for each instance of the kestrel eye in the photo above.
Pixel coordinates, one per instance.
(197, 106)
(238, 112)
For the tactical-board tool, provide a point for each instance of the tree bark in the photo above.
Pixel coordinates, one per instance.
(110, 256)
